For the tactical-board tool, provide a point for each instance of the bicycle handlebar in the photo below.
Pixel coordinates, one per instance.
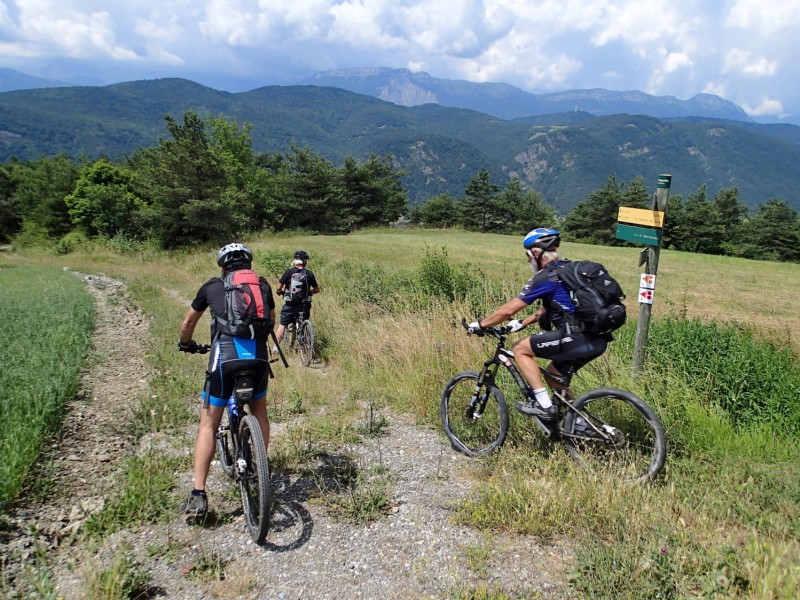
(496, 331)
(197, 349)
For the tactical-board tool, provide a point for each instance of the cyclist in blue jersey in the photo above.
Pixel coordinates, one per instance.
(228, 354)
(562, 342)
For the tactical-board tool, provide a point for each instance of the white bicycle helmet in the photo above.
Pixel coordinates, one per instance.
(234, 256)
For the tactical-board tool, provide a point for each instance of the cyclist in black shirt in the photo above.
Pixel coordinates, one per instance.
(228, 355)
(295, 299)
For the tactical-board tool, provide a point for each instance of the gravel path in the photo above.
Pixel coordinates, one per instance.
(416, 551)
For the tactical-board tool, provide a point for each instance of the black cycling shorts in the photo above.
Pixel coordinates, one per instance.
(575, 349)
(289, 312)
(228, 356)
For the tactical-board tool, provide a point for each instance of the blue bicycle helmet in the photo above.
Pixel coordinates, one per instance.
(234, 256)
(543, 238)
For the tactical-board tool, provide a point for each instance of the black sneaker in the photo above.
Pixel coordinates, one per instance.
(534, 409)
(195, 505)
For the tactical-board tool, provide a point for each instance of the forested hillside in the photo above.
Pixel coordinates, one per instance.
(563, 157)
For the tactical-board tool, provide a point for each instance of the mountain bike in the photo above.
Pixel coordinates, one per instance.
(300, 336)
(605, 425)
(243, 455)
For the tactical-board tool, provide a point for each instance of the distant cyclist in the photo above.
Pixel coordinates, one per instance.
(228, 355)
(297, 285)
(562, 342)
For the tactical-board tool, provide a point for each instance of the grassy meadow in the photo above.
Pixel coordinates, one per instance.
(723, 373)
(47, 323)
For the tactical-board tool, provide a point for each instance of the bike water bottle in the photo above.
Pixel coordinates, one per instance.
(233, 411)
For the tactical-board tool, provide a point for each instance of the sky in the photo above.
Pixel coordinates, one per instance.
(746, 51)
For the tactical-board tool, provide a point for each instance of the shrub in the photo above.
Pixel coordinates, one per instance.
(750, 377)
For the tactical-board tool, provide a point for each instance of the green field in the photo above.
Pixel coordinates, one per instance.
(47, 322)
(722, 372)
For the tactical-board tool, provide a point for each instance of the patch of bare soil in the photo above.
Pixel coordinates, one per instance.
(416, 551)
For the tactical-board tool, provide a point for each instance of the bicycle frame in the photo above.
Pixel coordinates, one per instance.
(237, 410)
(294, 326)
(504, 356)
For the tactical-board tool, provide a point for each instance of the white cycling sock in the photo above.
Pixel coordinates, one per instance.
(542, 397)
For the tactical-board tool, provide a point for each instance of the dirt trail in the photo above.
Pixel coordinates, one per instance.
(414, 552)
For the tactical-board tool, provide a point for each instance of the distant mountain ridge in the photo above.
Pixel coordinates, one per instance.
(409, 88)
(564, 156)
(11, 80)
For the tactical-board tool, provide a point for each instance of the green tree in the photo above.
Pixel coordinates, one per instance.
(440, 211)
(104, 203)
(374, 191)
(522, 209)
(10, 213)
(729, 208)
(312, 195)
(479, 209)
(186, 181)
(773, 233)
(595, 219)
(41, 186)
(702, 230)
(673, 223)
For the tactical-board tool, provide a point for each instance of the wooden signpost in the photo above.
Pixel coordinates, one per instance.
(644, 227)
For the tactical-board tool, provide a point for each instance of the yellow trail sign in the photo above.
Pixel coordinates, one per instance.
(640, 216)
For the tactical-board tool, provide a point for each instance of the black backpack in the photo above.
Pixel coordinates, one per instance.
(246, 306)
(596, 294)
(297, 290)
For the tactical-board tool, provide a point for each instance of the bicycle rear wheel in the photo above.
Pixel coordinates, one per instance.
(619, 434)
(306, 339)
(225, 445)
(254, 479)
(476, 422)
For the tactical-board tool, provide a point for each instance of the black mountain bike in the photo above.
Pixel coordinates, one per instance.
(243, 455)
(608, 425)
(300, 337)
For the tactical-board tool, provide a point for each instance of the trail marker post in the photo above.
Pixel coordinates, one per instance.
(628, 228)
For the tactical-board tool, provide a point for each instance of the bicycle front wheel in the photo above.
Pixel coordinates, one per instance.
(474, 418)
(225, 445)
(254, 479)
(617, 433)
(306, 338)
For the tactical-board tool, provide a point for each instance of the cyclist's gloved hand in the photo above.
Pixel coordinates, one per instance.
(190, 347)
(515, 325)
(475, 328)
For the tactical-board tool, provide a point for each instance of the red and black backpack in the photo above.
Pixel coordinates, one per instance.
(246, 306)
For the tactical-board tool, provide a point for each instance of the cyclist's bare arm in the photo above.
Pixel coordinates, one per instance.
(188, 325)
(505, 312)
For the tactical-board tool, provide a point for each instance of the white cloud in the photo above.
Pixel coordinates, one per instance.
(766, 107)
(742, 61)
(764, 18)
(675, 60)
(676, 47)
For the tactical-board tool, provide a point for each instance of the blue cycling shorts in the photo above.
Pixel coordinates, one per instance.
(230, 355)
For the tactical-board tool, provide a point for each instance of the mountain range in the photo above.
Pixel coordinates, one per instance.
(407, 88)
(564, 155)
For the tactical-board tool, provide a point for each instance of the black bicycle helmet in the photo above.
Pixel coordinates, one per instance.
(301, 255)
(235, 256)
(542, 237)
